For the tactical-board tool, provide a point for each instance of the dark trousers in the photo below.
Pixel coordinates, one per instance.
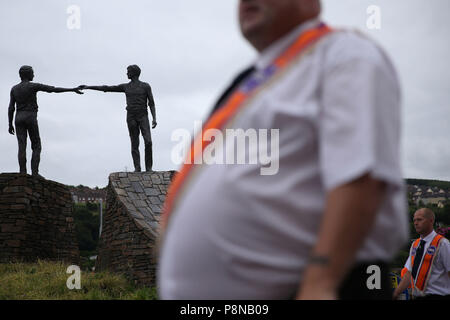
(136, 125)
(26, 124)
(354, 286)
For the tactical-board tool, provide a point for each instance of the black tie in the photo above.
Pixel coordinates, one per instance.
(418, 258)
(238, 80)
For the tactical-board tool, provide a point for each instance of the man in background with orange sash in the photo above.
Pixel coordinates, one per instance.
(334, 212)
(428, 263)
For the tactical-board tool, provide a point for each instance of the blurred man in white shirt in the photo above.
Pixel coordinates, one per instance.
(337, 203)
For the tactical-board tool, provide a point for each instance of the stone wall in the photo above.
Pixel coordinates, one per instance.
(134, 203)
(36, 220)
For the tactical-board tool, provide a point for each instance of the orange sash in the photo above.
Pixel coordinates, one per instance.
(427, 262)
(231, 107)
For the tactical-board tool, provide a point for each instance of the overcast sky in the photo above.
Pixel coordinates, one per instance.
(189, 51)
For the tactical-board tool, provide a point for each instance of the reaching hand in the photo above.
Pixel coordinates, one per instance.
(81, 87)
(78, 91)
(154, 124)
(11, 130)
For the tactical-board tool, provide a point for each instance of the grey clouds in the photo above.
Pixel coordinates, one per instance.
(188, 51)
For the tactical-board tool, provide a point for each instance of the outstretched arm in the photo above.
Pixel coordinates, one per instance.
(51, 89)
(118, 88)
(11, 109)
(59, 90)
(151, 104)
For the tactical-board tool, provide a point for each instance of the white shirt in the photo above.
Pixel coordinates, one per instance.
(439, 279)
(237, 234)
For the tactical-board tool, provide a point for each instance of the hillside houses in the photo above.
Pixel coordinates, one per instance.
(82, 194)
(428, 195)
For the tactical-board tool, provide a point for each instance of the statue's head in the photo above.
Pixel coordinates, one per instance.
(26, 73)
(133, 71)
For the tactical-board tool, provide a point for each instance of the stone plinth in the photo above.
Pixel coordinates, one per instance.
(134, 202)
(36, 220)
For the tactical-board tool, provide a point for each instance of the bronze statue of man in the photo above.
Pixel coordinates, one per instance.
(138, 94)
(23, 99)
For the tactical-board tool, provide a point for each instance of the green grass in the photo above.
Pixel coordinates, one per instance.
(47, 281)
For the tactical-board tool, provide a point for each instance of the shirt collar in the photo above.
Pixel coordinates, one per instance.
(429, 237)
(275, 49)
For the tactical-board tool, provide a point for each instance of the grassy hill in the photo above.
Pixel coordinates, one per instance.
(47, 281)
(429, 183)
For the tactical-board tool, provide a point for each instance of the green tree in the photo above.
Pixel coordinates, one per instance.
(87, 227)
